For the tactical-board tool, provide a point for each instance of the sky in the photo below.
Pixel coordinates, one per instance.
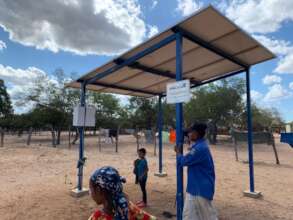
(37, 37)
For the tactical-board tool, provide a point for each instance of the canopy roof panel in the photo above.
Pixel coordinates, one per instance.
(213, 46)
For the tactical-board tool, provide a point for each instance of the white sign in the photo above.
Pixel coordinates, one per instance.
(84, 116)
(178, 92)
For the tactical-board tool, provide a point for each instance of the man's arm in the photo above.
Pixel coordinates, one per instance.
(193, 157)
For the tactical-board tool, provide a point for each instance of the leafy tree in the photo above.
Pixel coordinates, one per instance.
(53, 102)
(169, 115)
(143, 112)
(219, 103)
(5, 103)
(108, 109)
(6, 110)
(263, 119)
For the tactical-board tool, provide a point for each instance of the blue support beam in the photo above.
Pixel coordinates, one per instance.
(154, 71)
(218, 78)
(250, 132)
(124, 88)
(179, 131)
(160, 128)
(133, 59)
(208, 46)
(81, 159)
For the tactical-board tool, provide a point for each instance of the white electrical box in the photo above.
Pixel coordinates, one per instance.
(84, 116)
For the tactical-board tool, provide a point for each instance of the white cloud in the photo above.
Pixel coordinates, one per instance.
(153, 30)
(291, 85)
(154, 4)
(2, 45)
(255, 95)
(260, 16)
(186, 7)
(19, 76)
(19, 81)
(271, 79)
(282, 48)
(276, 93)
(285, 65)
(78, 26)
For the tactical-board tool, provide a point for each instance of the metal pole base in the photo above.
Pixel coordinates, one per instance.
(254, 195)
(162, 174)
(79, 193)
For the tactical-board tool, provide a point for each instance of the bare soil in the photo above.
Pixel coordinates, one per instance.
(35, 180)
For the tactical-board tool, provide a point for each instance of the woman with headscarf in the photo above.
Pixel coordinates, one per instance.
(106, 189)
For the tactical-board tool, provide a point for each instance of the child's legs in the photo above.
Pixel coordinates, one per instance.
(142, 184)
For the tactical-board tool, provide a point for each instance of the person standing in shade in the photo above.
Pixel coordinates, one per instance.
(200, 176)
(141, 172)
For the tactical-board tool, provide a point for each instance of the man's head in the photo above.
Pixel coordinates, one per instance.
(196, 131)
(141, 152)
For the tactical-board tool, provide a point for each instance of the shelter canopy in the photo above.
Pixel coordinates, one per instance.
(207, 35)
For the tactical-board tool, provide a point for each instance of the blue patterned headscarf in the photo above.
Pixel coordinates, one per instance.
(109, 179)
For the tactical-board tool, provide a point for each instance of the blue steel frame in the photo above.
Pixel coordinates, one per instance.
(81, 159)
(249, 133)
(131, 62)
(160, 128)
(179, 127)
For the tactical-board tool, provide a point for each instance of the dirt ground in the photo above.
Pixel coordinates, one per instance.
(35, 181)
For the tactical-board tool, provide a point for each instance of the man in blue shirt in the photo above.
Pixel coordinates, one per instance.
(200, 176)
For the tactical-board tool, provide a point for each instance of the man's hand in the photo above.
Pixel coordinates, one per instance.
(177, 150)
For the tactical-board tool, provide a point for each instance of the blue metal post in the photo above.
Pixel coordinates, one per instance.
(160, 128)
(249, 133)
(81, 142)
(179, 132)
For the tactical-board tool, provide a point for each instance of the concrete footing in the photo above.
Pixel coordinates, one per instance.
(254, 195)
(79, 193)
(163, 174)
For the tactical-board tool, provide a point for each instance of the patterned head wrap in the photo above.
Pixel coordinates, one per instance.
(109, 179)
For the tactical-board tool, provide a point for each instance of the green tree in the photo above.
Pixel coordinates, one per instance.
(263, 119)
(143, 112)
(53, 102)
(5, 103)
(219, 103)
(108, 109)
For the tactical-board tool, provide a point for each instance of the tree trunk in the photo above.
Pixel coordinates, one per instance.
(275, 150)
(117, 138)
(100, 145)
(76, 136)
(29, 137)
(154, 141)
(235, 148)
(19, 133)
(2, 137)
(53, 138)
(69, 136)
(58, 136)
(137, 141)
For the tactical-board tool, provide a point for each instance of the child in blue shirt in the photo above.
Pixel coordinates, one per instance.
(141, 174)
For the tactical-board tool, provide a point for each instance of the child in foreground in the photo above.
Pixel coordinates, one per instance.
(141, 174)
(106, 189)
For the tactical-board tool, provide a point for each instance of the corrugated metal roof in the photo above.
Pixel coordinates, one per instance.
(199, 63)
